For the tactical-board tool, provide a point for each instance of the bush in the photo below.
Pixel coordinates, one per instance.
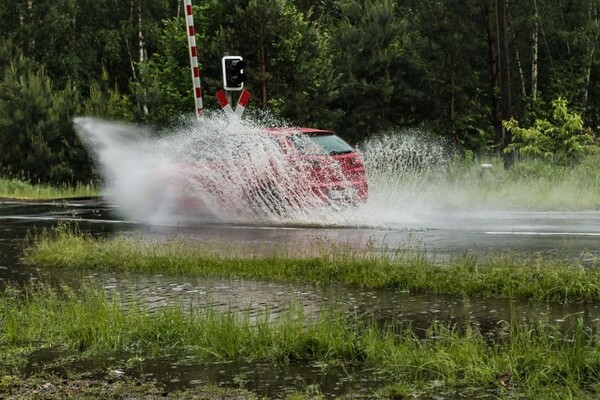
(37, 138)
(563, 140)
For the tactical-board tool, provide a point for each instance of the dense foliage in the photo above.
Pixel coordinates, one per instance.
(563, 140)
(457, 69)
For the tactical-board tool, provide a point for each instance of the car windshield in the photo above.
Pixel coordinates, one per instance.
(320, 145)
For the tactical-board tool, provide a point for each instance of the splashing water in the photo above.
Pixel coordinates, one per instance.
(228, 171)
(234, 172)
(406, 169)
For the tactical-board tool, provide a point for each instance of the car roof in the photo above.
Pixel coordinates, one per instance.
(296, 130)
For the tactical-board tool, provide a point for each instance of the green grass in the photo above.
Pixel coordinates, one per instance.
(18, 189)
(528, 185)
(87, 320)
(325, 263)
(542, 360)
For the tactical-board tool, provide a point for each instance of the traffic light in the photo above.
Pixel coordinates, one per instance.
(233, 72)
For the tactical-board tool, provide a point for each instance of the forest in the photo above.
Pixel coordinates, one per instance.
(483, 74)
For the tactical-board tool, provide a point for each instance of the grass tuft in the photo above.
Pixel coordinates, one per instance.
(540, 359)
(324, 263)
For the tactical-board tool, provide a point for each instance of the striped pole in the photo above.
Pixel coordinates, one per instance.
(191, 33)
(242, 102)
(222, 98)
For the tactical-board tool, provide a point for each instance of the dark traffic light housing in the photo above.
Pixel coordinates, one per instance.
(233, 72)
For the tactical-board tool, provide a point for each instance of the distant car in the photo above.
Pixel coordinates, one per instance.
(291, 168)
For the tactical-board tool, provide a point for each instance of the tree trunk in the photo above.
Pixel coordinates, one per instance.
(263, 71)
(588, 74)
(131, 62)
(31, 23)
(452, 100)
(534, 55)
(142, 50)
(521, 74)
(127, 45)
(493, 73)
(142, 58)
(590, 60)
(517, 57)
(504, 61)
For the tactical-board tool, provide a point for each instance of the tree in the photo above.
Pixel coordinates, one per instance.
(562, 140)
(558, 41)
(366, 47)
(108, 102)
(445, 47)
(168, 74)
(286, 56)
(37, 139)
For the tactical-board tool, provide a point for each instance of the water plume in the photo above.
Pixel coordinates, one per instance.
(230, 171)
(406, 169)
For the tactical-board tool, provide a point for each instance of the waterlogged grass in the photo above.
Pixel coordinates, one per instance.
(535, 360)
(87, 320)
(50, 386)
(325, 263)
(18, 189)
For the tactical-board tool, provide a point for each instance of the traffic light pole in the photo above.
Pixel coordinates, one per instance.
(229, 94)
(233, 81)
(233, 74)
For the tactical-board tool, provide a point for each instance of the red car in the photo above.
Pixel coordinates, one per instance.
(332, 168)
(277, 170)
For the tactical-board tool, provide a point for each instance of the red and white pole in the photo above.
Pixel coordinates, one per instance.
(191, 33)
(242, 102)
(222, 98)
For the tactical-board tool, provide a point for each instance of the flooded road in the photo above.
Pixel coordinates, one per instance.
(573, 235)
(569, 234)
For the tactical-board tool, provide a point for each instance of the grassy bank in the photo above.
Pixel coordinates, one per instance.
(498, 275)
(18, 189)
(461, 185)
(530, 185)
(541, 360)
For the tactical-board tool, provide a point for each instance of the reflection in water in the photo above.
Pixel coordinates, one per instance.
(265, 379)
(380, 305)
